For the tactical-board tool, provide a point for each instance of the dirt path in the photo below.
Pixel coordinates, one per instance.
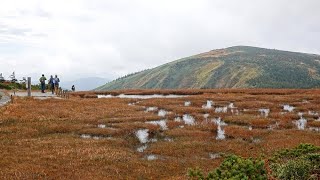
(4, 99)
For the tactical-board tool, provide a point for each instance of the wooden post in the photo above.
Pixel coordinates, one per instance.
(29, 86)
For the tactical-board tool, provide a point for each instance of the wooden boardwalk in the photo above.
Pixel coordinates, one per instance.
(36, 95)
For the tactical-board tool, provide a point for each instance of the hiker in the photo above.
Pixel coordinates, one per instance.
(73, 88)
(56, 84)
(43, 83)
(51, 83)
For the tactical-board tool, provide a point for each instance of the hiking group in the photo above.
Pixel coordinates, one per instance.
(53, 83)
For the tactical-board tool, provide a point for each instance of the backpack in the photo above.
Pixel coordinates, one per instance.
(56, 81)
(42, 80)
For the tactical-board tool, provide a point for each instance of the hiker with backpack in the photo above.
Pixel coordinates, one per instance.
(51, 83)
(56, 84)
(43, 83)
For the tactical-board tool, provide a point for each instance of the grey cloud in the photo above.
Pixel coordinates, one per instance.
(38, 12)
(8, 30)
(42, 13)
(119, 37)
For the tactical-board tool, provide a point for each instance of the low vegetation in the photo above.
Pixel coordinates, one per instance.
(97, 138)
(234, 167)
(300, 163)
(17, 86)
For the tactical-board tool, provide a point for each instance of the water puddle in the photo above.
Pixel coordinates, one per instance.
(142, 148)
(305, 101)
(142, 96)
(220, 131)
(162, 113)
(102, 126)
(264, 112)
(188, 119)
(142, 135)
(85, 136)
(187, 103)
(161, 123)
(214, 155)
(312, 113)
(105, 96)
(301, 123)
(221, 109)
(288, 108)
(208, 105)
(317, 129)
(153, 140)
(151, 157)
(177, 119)
(231, 106)
(273, 126)
(151, 109)
(236, 112)
(168, 139)
(95, 137)
(206, 116)
(256, 140)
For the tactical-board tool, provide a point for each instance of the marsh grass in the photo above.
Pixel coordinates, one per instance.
(41, 139)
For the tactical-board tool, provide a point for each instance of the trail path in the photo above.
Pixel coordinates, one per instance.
(36, 95)
(4, 99)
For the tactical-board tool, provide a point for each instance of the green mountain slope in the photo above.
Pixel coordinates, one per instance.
(234, 67)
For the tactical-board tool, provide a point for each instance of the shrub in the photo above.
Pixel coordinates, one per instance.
(293, 169)
(302, 162)
(234, 167)
(4, 86)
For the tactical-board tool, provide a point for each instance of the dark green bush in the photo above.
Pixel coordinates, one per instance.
(4, 86)
(11, 86)
(233, 167)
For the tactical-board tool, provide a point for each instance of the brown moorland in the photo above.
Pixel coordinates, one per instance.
(89, 138)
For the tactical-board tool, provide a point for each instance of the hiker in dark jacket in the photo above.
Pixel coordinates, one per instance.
(43, 83)
(56, 84)
(51, 83)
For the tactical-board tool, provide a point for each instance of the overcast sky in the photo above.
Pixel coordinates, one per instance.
(110, 38)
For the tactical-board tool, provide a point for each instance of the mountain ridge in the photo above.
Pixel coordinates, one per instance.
(84, 84)
(232, 67)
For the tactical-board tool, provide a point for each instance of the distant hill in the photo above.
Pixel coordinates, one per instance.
(84, 84)
(234, 67)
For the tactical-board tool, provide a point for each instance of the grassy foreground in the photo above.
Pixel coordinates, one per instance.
(67, 139)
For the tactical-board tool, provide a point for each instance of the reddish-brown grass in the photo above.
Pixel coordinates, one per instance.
(41, 139)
